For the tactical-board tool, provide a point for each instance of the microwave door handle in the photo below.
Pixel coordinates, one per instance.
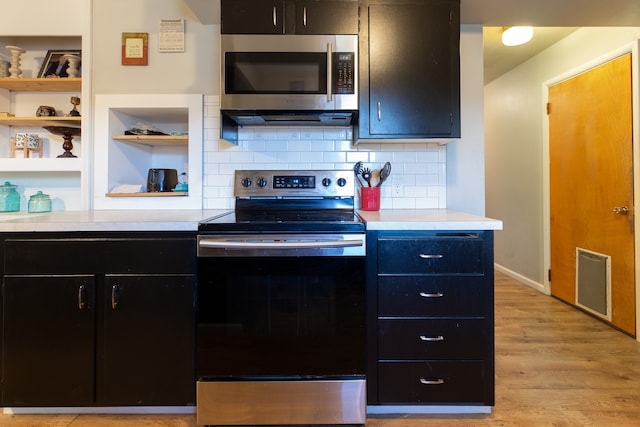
(329, 69)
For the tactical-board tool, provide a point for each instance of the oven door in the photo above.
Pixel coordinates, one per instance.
(281, 317)
(289, 72)
(280, 339)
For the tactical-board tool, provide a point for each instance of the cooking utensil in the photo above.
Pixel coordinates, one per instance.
(384, 173)
(357, 170)
(366, 174)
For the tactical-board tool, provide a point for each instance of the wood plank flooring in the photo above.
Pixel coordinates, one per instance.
(555, 366)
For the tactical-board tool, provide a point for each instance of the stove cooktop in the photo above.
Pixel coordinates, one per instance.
(291, 201)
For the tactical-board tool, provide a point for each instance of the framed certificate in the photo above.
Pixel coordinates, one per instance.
(135, 48)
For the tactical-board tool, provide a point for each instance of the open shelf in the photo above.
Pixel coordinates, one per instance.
(150, 194)
(41, 121)
(154, 139)
(70, 84)
(54, 164)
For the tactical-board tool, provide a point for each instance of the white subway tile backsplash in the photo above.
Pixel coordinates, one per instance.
(418, 174)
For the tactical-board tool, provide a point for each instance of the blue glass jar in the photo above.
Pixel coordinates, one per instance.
(9, 198)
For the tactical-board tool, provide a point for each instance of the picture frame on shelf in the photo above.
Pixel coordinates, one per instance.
(57, 64)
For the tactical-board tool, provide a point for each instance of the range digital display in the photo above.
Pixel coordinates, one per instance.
(294, 182)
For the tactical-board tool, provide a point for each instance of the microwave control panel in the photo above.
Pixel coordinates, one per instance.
(344, 64)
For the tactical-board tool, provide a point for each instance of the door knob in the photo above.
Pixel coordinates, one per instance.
(621, 210)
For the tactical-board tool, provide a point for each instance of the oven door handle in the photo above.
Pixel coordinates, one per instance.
(278, 244)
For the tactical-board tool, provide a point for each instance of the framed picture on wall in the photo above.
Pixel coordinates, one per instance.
(56, 64)
(135, 48)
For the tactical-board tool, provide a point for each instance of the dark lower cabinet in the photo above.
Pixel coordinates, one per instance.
(146, 341)
(48, 341)
(98, 320)
(430, 316)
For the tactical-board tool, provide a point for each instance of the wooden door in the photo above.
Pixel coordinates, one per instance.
(591, 174)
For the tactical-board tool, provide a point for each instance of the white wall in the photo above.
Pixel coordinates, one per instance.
(514, 156)
(193, 71)
(465, 158)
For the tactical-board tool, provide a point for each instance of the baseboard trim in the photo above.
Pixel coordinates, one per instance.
(522, 279)
(101, 410)
(426, 409)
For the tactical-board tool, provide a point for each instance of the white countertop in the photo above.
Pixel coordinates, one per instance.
(114, 220)
(426, 219)
(187, 220)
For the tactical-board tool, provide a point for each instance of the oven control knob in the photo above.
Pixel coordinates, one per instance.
(262, 182)
(326, 182)
(342, 182)
(246, 182)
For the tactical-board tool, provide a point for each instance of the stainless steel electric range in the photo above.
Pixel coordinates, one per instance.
(281, 303)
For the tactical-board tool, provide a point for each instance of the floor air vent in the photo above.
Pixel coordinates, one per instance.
(593, 282)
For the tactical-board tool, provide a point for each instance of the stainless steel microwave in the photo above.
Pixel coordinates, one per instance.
(288, 73)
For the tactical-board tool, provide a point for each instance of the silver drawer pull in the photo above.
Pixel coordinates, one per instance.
(430, 339)
(431, 382)
(431, 256)
(428, 295)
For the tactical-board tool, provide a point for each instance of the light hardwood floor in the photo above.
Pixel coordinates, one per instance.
(555, 366)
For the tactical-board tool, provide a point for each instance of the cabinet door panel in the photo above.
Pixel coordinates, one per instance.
(430, 339)
(326, 17)
(431, 382)
(252, 17)
(413, 70)
(146, 350)
(48, 341)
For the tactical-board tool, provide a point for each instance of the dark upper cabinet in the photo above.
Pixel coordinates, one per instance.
(410, 69)
(289, 17)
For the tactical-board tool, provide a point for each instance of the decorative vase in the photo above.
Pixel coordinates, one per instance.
(15, 69)
(4, 68)
(74, 60)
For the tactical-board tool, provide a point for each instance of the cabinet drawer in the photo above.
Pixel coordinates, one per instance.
(458, 254)
(99, 255)
(430, 382)
(430, 339)
(432, 296)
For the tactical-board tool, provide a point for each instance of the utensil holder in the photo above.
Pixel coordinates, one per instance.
(370, 198)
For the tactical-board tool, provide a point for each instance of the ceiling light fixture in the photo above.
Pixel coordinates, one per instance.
(514, 36)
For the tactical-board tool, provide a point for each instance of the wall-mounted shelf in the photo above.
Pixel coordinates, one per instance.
(41, 121)
(70, 84)
(126, 159)
(154, 139)
(150, 194)
(41, 165)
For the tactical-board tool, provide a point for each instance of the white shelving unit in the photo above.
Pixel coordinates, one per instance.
(126, 159)
(66, 180)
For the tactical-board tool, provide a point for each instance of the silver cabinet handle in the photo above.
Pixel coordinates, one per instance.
(329, 69)
(431, 256)
(115, 297)
(431, 382)
(379, 110)
(275, 16)
(621, 210)
(430, 339)
(428, 295)
(81, 297)
(304, 16)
